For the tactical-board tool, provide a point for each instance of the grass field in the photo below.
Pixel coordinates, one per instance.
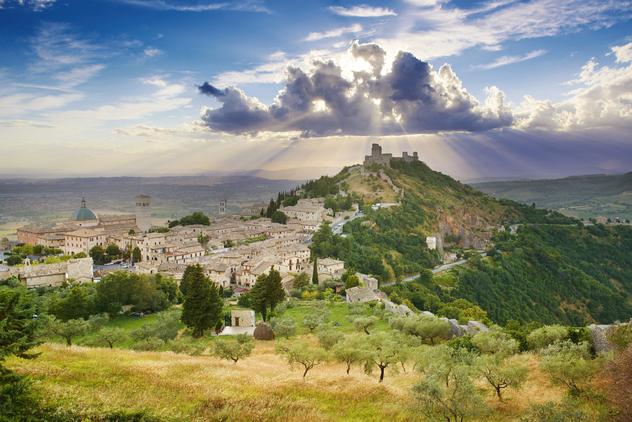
(171, 387)
(93, 381)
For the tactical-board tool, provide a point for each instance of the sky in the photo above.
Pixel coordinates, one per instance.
(481, 89)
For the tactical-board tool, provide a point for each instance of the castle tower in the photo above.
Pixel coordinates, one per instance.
(222, 207)
(376, 150)
(143, 212)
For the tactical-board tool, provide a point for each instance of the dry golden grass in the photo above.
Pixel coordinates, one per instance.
(174, 387)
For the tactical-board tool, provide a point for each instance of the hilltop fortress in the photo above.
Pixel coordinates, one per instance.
(379, 158)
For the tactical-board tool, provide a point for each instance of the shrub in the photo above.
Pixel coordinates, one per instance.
(149, 344)
(165, 327)
(547, 335)
(283, 327)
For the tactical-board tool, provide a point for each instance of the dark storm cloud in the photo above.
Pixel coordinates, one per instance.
(411, 98)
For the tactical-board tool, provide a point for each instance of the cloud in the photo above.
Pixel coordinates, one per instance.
(334, 33)
(507, 60)
(198, 6)
(444, 30)
(362, 11)
(623, 53)
(412, 98)
(35, 5)
(603, 98)
(152, 52)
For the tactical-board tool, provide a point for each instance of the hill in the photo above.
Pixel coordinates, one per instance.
(390, 241)
(551, 269)
(577, 196)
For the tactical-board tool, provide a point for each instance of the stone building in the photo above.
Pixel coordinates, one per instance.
(143, 212)
(381, 159)
(52, 275)
(82, 240)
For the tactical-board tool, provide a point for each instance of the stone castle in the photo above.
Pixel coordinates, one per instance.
(379, 158)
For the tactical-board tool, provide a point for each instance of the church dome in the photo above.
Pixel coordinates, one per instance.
(84, 213)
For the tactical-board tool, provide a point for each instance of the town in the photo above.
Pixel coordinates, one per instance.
(234, 250)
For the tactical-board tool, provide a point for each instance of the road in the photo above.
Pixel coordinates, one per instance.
(336, 228)
(436, 270)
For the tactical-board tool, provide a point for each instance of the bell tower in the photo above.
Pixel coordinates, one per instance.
(143, 212)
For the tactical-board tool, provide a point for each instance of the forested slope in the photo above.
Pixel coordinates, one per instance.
(551, 273)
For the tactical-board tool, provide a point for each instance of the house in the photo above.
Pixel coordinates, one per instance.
(330, 266)
(242, 321)
(52, 275)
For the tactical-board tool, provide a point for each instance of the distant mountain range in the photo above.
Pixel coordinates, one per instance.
(578, 196)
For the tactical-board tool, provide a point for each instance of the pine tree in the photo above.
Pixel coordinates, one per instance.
(267, 293)
(190, 273)
(274, 289)
(202, 306)
(315, 272)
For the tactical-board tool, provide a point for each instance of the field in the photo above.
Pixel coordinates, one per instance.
(93, 381)
(171, 387)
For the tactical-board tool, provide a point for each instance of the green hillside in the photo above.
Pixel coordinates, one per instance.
(552, 270)
(554, 274)
(578, 196)
(391, 242)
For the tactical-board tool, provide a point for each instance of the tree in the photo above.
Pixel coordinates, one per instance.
(267, 293)
(98, 255)
(279, 217)
(568, 364)
(502, 373)
(365, 323)
(382, 349)
(300, 281)
(283, 327)
(495, 342)
(112, 336)
(113, 250)
(17, 326)
(447, 391)
(329, 337)
(234, 350)
(351, 280)
(315, 272)
(349, 351)
(303, 354)
(73, 302)
(425, 327)
(203, 240)
(68, 329)
(547, 335)
(202, 305)
(137, 256)
(12, 260)
(568, 410)
(313, 321)
(165, 326)
(192, 219)
(191, 272)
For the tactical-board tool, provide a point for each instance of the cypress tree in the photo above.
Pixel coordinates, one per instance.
(315, 272)
(202, 306)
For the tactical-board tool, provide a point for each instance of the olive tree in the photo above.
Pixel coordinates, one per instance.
(300, 353)
(568, 364)
(365, 323)
(234, 350)
(350, 351)
(112, 336)
(447, 391)
(383, 350)
(68, 329)
(547, 335)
